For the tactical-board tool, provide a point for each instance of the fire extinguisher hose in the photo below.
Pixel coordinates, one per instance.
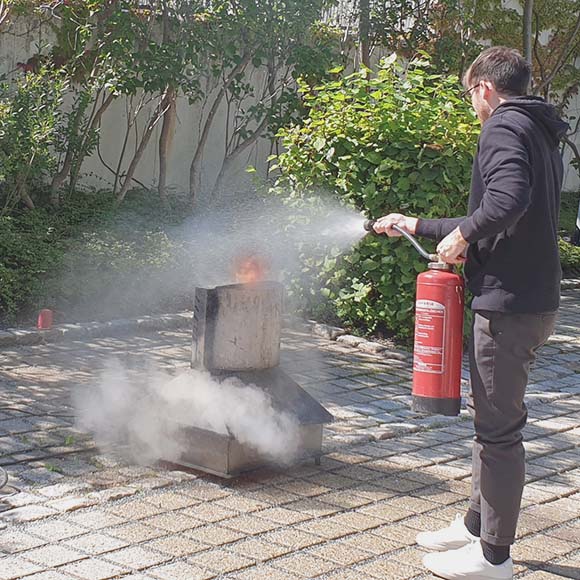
(417, 245)
(368, 225)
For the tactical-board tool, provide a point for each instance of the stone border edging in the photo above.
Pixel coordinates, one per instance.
(340, 335)
(121, 326)
(59, 332)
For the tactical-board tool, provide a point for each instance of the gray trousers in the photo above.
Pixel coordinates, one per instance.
(502, 348)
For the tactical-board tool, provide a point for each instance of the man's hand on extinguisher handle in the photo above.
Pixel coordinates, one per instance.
(385, 224)
(452, 248)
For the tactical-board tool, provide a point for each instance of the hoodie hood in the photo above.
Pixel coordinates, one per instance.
(538, 110)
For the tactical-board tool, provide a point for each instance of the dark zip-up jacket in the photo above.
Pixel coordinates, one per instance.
(512, 262)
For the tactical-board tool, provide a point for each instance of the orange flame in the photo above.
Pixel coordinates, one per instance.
(250, 269)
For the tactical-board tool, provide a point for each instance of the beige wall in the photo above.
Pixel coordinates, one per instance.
(23, 40)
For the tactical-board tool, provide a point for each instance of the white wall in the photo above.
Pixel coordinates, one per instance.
(23, 40)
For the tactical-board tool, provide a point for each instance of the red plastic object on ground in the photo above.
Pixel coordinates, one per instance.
(438, 341)
(45, 319)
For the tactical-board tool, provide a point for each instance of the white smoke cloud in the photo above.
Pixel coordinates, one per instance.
(143, 411)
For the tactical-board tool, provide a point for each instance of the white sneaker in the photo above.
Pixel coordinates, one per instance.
(450, 538)
(467, 563)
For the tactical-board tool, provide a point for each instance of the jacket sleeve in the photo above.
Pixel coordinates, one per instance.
(505, 168)
(437, 229)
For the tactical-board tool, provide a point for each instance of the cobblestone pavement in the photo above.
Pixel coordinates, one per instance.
(84, 514)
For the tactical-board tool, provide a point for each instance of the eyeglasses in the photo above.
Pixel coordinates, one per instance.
(468, 91)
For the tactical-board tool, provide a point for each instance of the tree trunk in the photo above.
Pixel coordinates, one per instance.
(166, 140)
(22, 190)
(229, 160)
(528, 29)
(364, 32)
(156, 117)
(79, 156)
(194, 167)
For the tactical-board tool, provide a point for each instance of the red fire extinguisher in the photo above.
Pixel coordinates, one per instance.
(438, 345)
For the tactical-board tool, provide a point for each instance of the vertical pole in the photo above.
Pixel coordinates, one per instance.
(364, 32)
(528, 32)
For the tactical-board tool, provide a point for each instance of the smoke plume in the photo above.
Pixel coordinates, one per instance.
(143, 411)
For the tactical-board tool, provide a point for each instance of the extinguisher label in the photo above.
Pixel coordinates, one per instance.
(429, 350)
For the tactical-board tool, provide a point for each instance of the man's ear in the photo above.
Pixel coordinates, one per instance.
(488, 88)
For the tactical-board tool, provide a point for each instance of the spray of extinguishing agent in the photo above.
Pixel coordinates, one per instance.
(438, 345)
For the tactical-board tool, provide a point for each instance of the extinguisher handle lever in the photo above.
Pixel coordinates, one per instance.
(416, 245)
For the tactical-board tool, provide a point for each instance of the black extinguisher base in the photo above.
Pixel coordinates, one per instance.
(436, 406)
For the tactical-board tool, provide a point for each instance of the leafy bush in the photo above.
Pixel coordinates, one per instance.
(569, 258)
(401, 141)
(569, 211)
(29, 110)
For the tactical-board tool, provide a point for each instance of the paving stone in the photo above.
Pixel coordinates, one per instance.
(15, 541)
(16, 567)
(28, 513)
(369, 542)
(541, 575)
(543, 542)
(56, 530)
(135, 532)
(135, 510)
(241, 504)
(181, 571)
(311, 507)
(305, 565)
(172, 501)
(96, 520)
(249, 525)
(324, 528)
(136, 557)
(292, 538)
(259, 550)
(304, 488)
(220, 561)
(343, 500)
(50, 575)
(70, 504)
(340, 553)
(172, 522)
(107, 495)
(210, 512)
(206, 492)
(283, 515)
(177, 545)
(388, 569)
(95, 544)
(53, 555)
(397, 533)
(93, 570)
(263, 573)
(386, 512)
(214, 535)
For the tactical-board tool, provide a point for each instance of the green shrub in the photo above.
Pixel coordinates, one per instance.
(401, 141)
(29, 248)
(89, 259)
(569, 211)
(569, 257)
(29, 113)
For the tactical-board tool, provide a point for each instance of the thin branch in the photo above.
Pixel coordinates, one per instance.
(567, 50)
(210, 117)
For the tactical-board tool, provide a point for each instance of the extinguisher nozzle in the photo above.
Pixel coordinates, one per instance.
(368, 225)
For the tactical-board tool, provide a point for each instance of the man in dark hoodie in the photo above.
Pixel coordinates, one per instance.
(512, 268)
